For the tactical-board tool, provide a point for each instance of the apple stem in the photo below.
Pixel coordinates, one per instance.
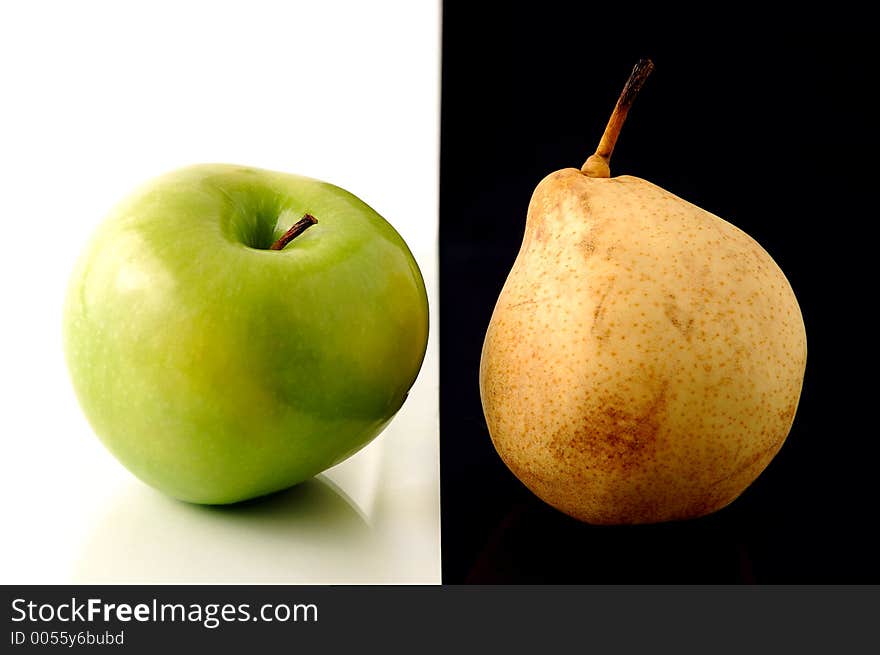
(296, 229)
(597, 164)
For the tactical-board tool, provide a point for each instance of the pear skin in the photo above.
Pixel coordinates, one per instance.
(644, 359)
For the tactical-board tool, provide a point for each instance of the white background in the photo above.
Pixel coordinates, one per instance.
(95, 98)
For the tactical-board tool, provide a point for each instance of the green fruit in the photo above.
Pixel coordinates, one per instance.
(216, 369)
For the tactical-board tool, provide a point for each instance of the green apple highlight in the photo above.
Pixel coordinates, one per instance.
(217, 369)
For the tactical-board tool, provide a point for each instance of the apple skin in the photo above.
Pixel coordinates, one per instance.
(217, 370)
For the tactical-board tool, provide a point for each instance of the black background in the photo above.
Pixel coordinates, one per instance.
(772, 130)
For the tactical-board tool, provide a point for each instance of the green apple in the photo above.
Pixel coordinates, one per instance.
(218, 369)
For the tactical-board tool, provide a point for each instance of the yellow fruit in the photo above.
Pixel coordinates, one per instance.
(645, 358)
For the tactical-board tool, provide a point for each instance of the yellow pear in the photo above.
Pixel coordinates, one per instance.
(645, 358)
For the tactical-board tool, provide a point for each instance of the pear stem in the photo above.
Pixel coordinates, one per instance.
(296, 229)
(597, 164)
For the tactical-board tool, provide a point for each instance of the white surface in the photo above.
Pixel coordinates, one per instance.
(98, 97)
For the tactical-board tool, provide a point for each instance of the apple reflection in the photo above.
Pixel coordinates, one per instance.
(309, 534)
